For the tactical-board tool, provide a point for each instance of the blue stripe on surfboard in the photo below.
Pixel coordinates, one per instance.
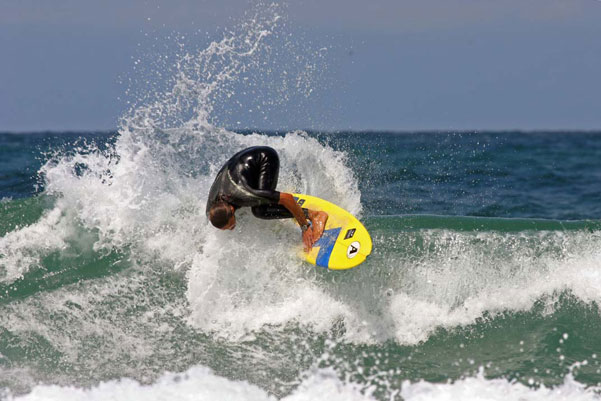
(326, 244)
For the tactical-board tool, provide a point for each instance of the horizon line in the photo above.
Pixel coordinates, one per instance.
(331, 131)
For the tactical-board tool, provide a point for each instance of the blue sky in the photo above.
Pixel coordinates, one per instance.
(392, 65)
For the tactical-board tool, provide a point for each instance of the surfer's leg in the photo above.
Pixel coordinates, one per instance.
(269, 170)
(268, 179)
(269, 212)
(318, 223)
(273, 211)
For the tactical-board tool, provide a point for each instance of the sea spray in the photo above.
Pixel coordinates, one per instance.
(154, 265)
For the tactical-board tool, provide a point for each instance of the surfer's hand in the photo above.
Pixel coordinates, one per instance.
(308, 239)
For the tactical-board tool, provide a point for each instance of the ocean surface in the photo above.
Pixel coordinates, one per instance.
(484, 282)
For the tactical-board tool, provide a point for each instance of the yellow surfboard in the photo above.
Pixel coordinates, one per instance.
(345, 242)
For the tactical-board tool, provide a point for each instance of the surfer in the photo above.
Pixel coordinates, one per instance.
(249, 179)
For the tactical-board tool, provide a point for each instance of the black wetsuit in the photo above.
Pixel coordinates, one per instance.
(249, 178)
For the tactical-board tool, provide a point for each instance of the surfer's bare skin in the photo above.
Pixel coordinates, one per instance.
(318, 224)
(311, 233)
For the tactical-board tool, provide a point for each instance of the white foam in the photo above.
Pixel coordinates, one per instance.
(198, 384)
(480, 389)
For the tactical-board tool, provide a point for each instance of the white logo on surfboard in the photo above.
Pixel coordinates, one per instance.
(353, 250)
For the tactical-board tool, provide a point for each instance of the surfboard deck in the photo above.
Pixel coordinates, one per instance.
(345, 242)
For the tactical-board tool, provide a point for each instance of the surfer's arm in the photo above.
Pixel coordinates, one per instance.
(287, 200)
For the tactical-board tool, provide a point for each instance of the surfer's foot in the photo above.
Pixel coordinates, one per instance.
(318, 223)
